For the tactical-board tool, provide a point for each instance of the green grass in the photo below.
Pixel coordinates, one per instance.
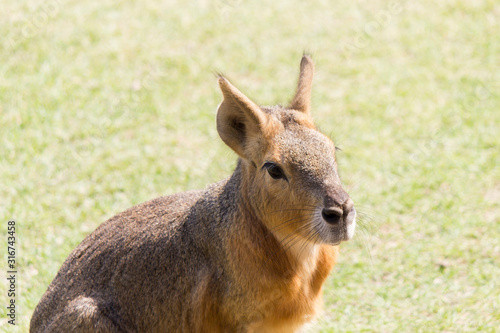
(107, 104)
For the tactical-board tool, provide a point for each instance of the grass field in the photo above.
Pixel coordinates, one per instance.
(106, 104)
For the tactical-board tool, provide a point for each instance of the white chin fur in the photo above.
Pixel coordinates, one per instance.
(350, 229)
(351, 225)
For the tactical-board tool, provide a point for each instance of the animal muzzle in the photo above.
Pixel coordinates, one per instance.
(340, 217)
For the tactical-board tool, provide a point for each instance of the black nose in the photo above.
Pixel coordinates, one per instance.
(332, 215)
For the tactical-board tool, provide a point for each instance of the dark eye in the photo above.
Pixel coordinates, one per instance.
(274, 171)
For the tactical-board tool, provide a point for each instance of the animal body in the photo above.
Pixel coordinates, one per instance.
(247, 254)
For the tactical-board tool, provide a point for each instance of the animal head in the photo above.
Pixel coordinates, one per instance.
(289, 169)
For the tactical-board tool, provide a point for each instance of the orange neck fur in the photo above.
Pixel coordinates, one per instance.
(289, 281)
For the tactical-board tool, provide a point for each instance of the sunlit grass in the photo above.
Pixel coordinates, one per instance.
(107, 104)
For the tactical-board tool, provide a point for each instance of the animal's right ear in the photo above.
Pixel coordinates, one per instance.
(240, 121)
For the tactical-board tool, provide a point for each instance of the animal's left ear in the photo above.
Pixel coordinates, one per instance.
(302, 100)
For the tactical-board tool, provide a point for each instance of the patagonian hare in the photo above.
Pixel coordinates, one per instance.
(247, 254)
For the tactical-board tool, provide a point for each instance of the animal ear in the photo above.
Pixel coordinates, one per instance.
(239, 120)
(302, 99)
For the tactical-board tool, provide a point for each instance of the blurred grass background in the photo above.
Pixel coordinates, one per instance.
(106, 104)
